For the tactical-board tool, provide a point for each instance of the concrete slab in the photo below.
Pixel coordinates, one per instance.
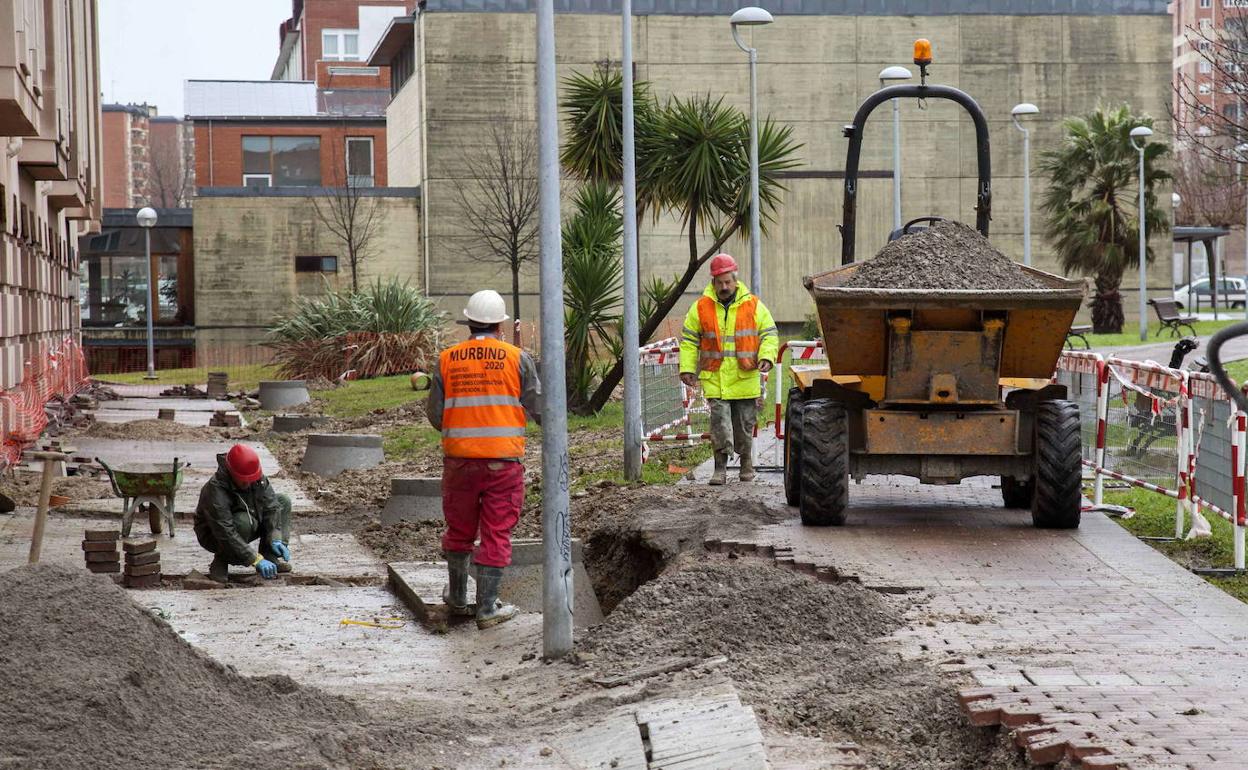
(202, 455)
(196, 419)
(178, 404)
(329, 555)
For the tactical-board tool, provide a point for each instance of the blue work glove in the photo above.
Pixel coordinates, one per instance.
(280, 549)
(265, 567)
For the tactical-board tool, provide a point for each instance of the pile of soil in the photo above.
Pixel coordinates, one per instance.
(948, 255)
(160, 430)
(806, 655)
(23, 487)
(89, 679)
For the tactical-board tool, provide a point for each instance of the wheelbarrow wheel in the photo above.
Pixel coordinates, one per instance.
(824, 493)
(1017, 494)
(1058, 457)
(793, 446)
(153, 518)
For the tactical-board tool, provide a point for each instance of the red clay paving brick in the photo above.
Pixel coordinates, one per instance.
(146, 581)
(104, 566)
(139, 570)
(102, 556)
(151, 557)
(140, 546)
(99, 545)
(102, 534)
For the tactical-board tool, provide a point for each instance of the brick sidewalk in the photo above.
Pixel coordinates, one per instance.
(1089, 643)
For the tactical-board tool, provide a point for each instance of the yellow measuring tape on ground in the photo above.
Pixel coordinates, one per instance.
(374, 623)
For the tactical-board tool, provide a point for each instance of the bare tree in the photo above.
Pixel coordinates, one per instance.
(498, 198)
(1211, 110)
(352, 218)
(169, 176)
(1210, 192)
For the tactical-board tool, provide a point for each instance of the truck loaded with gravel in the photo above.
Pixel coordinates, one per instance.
(940, 354)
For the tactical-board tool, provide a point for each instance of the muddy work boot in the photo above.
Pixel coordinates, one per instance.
(719, 476)
(455, 594)
(219, 570)
(491, 611)
(747, 468)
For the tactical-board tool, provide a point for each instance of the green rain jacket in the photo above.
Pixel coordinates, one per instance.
(729, 382)
(230, 518)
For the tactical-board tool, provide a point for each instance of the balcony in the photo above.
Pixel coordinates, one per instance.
(19, 108)
(67, 194)
(42, 159)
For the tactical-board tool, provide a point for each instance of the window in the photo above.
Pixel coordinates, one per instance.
(1206, 67)
(1206, 3)
(340, 45)
(356, 71)
(360, 161)
(316, 264)
(1205, 88)
(1206, 25)
(282, 161)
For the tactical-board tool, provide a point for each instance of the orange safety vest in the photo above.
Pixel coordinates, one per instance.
(745, 335)
(482, 415)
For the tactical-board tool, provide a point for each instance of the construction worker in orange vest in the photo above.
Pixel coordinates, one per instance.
(729, 337)
(480, 393)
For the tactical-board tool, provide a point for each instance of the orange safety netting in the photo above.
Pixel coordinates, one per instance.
(55, 371)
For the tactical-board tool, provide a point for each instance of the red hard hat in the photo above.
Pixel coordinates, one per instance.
(243, 464)
(722, 263)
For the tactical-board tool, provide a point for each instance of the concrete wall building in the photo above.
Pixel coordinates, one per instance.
(51, 171)
(127, 153)
(459, 66)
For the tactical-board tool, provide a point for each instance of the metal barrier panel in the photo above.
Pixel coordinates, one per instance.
(1213, 437)
(1080, 374)
(1143, 440)
(669, 410)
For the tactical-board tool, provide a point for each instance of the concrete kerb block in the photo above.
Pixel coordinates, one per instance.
(329, 454)
(290, 423)
(279, 394)
(522, 582)
(413, 499)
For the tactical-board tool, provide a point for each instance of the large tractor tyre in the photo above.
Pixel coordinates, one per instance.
(793, 446)
(1017, 494)
(1058, 453)
(824, 493)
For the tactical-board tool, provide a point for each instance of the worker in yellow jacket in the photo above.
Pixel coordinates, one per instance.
(729, 337)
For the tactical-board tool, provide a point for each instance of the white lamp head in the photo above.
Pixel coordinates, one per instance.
(895, 73)
(750, 16)
(1176, 199)
(146, 216)
(1026, 108)
(1141, 132)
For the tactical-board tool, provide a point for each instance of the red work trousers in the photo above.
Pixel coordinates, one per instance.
(481, 498)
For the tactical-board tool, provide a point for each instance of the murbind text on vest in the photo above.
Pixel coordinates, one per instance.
(478, 353)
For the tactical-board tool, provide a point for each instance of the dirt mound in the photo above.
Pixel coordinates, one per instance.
(948, 255)
(89, 679)
(807, 655)
(158, 430)
(24, 487)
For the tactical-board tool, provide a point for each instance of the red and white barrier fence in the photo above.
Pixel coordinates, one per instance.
(798, 350)
(1149, 426)
(55, 371)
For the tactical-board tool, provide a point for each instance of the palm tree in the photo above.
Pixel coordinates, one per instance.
(692, 163)
(1091, 203)
(592, 284)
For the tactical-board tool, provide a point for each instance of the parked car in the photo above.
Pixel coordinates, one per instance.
(1230, 292)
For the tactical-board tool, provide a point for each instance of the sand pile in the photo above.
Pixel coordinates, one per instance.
(89, 679)
(807, 656)
(948, 255)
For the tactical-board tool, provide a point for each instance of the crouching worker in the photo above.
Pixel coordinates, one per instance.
(479, 395)
(238, 507)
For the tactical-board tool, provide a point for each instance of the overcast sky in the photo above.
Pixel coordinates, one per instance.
(149, 47)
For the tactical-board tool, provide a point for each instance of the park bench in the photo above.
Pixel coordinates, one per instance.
(1078, 333)
(1168, 314)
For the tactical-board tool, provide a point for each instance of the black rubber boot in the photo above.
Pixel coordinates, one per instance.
(455, 594)
(491, 611)
(219, 570)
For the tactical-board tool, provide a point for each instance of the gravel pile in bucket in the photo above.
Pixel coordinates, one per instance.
(948, 255)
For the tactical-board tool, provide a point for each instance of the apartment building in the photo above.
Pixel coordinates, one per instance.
(51, 175)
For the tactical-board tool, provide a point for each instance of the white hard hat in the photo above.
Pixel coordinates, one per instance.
(486, 307)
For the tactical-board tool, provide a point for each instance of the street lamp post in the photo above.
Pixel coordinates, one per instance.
(1142, 133)
(1242, 149)
(887, 74)
(752, 16)
(632, 334)
(1026, 108)
(147, 220)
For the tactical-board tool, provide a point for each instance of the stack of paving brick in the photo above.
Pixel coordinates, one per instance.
(99, 548)
(142, 564)
(224, 419)
(218, 384)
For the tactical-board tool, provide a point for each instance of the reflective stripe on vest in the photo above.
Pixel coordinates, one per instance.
(745, 339)
(482, 416)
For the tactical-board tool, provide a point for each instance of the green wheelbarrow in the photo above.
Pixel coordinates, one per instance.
(150, 484)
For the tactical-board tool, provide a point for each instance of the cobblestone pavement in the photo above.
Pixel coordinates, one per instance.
(1089, 644)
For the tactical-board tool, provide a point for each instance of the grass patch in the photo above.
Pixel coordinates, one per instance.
(359, 397)
(241, 377)
(666, 466)
(410, 442)
(1203, 329)
(1154, 517)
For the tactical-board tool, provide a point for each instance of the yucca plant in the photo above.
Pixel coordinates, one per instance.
(1091, 203)
(592, 284)
(385, 328)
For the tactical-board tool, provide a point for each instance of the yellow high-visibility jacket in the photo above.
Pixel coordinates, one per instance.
(729, 382)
